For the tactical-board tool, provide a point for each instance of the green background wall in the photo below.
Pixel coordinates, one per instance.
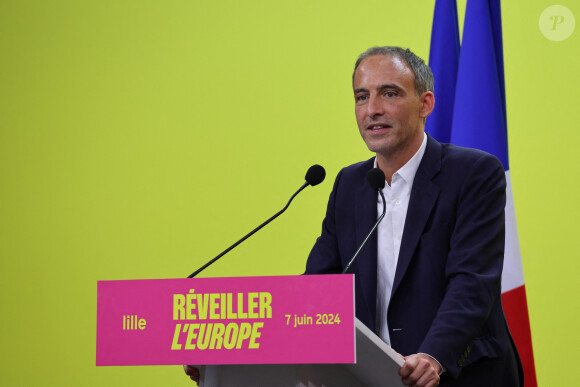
(140, 138)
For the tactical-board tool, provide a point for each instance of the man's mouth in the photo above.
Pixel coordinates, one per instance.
(378, 127)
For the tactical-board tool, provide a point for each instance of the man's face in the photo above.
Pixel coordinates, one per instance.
(389, 114)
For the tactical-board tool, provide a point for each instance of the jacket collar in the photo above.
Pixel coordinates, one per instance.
(424, 194)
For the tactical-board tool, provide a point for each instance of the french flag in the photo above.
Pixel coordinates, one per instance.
(470, 111)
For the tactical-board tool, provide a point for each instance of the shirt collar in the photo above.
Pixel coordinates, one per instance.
(408, 171)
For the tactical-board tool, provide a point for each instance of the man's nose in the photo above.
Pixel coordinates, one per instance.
(375, 106)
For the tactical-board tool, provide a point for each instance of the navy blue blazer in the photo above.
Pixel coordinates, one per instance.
(446, 297)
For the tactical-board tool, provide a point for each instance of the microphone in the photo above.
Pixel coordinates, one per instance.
(376, 179)
(314, 176)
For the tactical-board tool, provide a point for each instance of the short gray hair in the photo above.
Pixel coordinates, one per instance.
(423, 75)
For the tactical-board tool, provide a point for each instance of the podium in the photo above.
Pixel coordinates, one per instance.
(377, 364)
(244, 331)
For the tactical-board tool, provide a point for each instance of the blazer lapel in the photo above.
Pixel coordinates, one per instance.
(424, 194)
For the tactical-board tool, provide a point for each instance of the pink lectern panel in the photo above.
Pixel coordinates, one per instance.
(242, 320)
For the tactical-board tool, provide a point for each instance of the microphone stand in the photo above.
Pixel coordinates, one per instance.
(370, 233)
(250, 233)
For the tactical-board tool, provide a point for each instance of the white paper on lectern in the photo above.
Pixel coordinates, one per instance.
(377, 364)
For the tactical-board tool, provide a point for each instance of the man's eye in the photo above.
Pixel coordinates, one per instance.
(390, 94)
(361, 98)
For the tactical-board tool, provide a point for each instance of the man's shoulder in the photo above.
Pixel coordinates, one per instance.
(452, 165)
(462, 167)
(360, 168)
(354, 175)
(453, 156)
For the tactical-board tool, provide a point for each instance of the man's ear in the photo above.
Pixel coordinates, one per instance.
(427, 104)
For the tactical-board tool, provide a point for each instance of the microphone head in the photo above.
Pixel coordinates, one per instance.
(315, 175)
(376, 179)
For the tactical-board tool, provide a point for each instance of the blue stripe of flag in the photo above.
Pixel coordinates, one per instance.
(479, 119)
(443, 60)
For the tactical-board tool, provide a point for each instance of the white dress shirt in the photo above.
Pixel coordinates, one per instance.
(390, 233)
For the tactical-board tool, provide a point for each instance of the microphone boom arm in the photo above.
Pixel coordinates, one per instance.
(370, 233)
(251, 233)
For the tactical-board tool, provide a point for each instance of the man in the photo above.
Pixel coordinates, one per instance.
(429, 283)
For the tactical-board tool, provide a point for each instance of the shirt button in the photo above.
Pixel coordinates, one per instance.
(398, 202)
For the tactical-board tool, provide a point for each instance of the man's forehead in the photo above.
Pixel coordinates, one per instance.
(386, 59)
(381, 69)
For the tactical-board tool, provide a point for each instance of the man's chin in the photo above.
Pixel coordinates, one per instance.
(379, 148)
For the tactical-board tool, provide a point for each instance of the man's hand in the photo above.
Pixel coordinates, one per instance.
(420, 370)
(192, 372)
